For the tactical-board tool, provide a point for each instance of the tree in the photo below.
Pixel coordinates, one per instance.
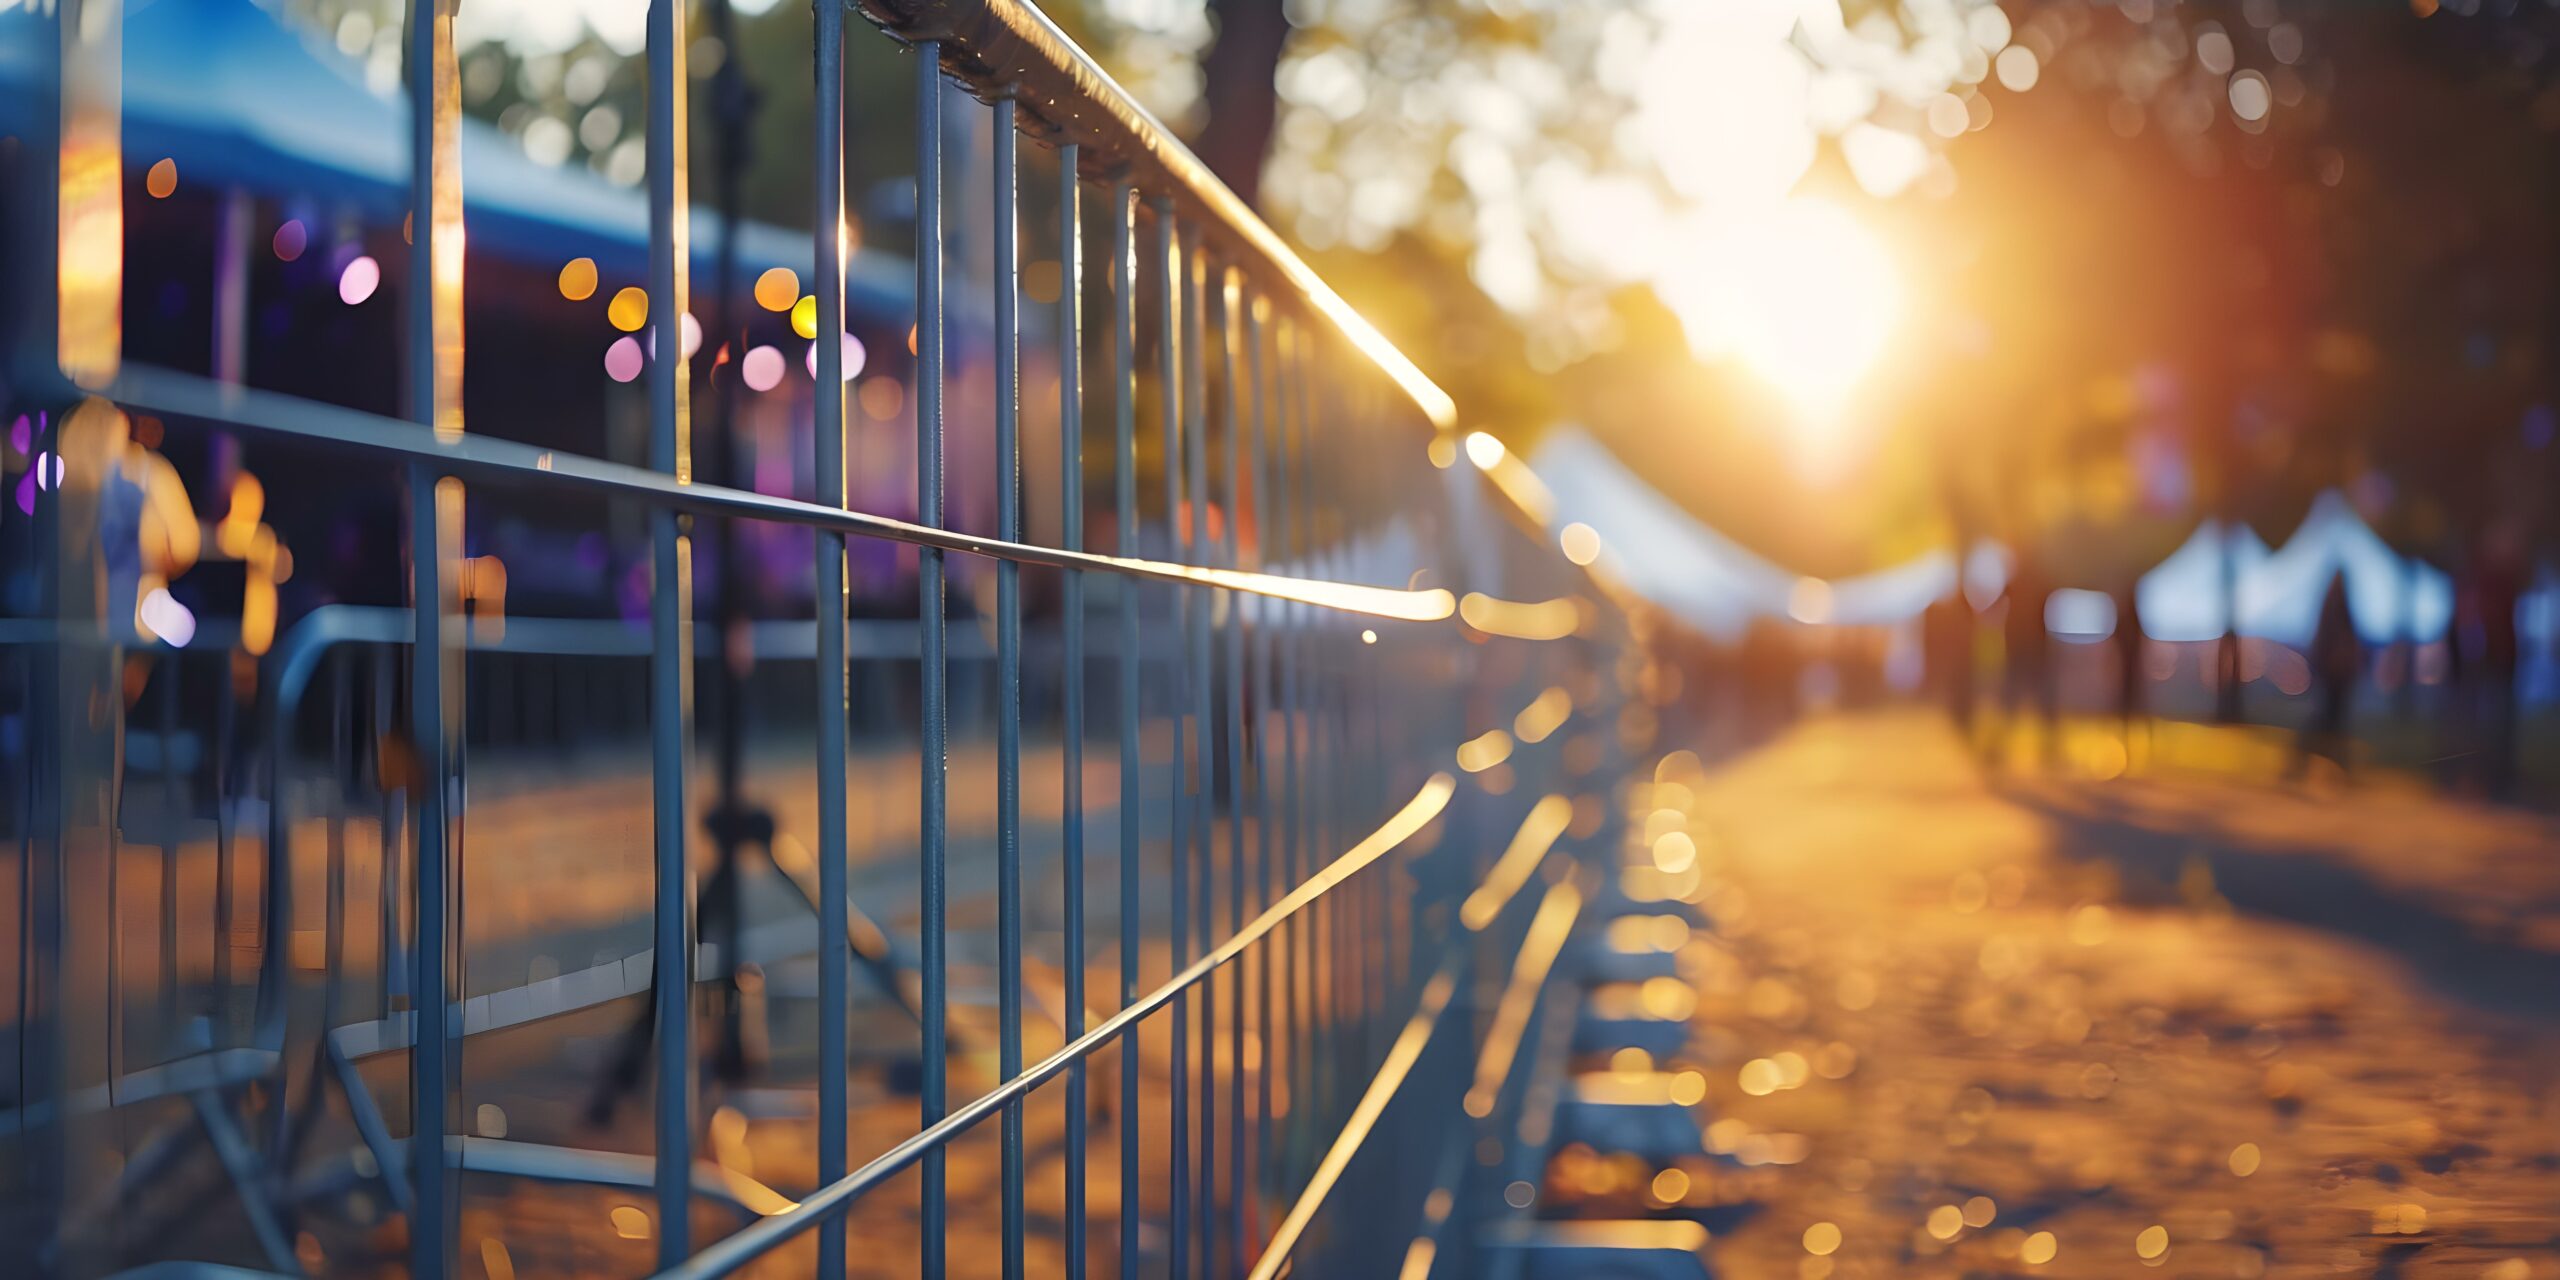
(1242, 97)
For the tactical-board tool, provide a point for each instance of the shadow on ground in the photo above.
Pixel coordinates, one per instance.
(2157, 852)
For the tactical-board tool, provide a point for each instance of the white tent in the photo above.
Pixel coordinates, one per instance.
(1697, 574)
(2280, 591)
(1709, 581)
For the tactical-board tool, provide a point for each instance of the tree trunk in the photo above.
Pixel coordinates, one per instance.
(1238, 89)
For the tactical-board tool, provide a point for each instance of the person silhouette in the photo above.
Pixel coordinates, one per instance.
(2029, 654)
(2337, 661)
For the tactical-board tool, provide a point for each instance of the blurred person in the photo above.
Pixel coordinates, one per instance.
(2028, 655)
(1946, 630)
(1859, 655)
(2496, 587)
(2337, 662)
(1770, 670)
(2132, 680)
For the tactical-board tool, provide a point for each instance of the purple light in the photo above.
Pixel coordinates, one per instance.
(622, 359)
(773, 472)
(762, 369)
(21, 434)
(27, 493)
(167, 618)
(359, 280)
(689, 337)
(854, 356)
(634, 595)
(291, 239)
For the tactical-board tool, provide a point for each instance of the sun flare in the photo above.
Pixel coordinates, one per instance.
(1802, 295)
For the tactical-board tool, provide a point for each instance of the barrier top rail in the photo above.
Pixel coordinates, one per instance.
(1011, 46)
(187, 396)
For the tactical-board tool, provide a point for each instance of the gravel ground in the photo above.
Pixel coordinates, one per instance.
(1957, 1020)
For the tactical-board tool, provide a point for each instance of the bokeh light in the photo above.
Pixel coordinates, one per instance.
(578, 279)
(622, 360)
(1041, 281)
(854, 356)
(882, 398)
(2152, 1242)
(629, 309)
(777, 289)
(359, 279)
(1580, 542)
(2017, 68)
(166, 619)
(2038, 1248)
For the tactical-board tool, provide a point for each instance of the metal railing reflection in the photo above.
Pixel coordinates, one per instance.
(1347, 867)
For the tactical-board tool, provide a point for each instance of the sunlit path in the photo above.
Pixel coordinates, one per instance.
(1981, 1022)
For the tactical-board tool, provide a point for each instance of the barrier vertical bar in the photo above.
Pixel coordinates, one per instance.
(1070, 323)
(1170, 384)
(1230, 335)
(1288, 528)
(1195, 454)
(834, 675)
(1303, 812)
(341, 748)
(1361, 705)
(1387, 986)
(1009, 668)
(1357, 654)
(1266, 622)
(1308, 810)
(226, 911)
(929, 619)
(392, 976)
(1124, 495)
(79, 315)
(1283, 534)
(434, 373)
(1358, 710)
(165, 677)
(1341, 649)
(670, 626)
(73, 719)
(1324, 973)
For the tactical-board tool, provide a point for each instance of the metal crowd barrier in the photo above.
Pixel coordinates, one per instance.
(1388, 724)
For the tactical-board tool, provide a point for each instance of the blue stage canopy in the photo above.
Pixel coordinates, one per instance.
(240, 99)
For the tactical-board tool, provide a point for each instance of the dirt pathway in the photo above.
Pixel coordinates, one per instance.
(1953, 1025)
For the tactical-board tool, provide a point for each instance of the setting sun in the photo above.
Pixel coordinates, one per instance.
(1805, 297)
